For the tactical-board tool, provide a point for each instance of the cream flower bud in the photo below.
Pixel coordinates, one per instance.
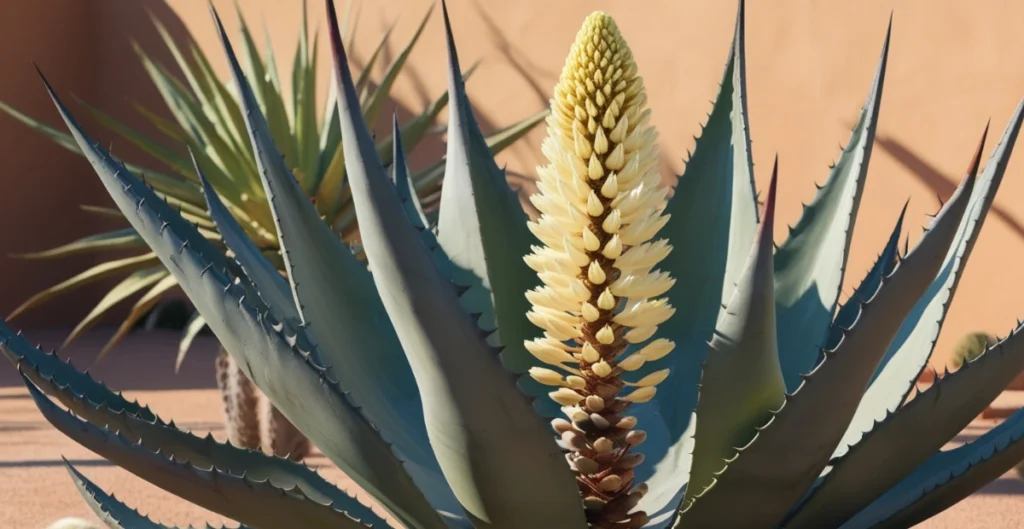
(641, 395)
(596, 274)
(546, 376)
(566, 397)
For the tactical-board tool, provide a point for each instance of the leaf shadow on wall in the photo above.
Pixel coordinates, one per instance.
(940, 183)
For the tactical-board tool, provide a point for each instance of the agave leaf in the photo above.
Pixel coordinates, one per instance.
(719, 177)
(813, 418)
(129, 286)
(272, 286)
(204, 452)
(277, 357)
(140, 309)
(371, 109)
(909, 436)
(946, 478)
(742, 384)
(908, 355)
(110, 510)
(330, 285)
(403, 186)
(96, 273)
(107, 508)
(482, 228)
(847, 314)
(37, 362)
(257, 503)
(810, 264)
(122, 239)
(195, 324)
(480, 427)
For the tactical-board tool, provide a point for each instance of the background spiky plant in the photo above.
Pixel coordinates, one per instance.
(969, 347)
(783, 409)
(208, 122)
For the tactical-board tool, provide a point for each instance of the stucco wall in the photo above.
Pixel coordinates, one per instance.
(952, 66)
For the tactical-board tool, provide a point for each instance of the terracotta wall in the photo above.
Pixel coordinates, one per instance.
(953, 65)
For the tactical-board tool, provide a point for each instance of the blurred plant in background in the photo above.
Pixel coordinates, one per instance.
(207, 119)
(970, 346)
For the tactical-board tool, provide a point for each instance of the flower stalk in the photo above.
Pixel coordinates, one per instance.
(601, 205)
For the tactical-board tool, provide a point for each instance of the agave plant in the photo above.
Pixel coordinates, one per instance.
(418, 375)
(208, 121)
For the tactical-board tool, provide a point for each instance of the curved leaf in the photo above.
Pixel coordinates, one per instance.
(274, 355)
(908, 355)
(907, 437)
(108, 509)
(713, 214)
(96, 273)
(195, 325)
(946, 478)
(481, 429)
(770, 474)
(256, 503)
(483, 230)
(205, 452)
(272, 287)
(741, 385)
(20, 352)
(133, 284)
(336, 300)
(140, 309)
(810, 264)
(122, 239)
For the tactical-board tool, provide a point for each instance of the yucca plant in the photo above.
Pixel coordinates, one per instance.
(416, 376)
(208, 121)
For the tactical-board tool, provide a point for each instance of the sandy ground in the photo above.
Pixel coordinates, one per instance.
(35, 489)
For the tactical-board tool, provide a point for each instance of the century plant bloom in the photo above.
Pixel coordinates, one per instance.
(601, 205)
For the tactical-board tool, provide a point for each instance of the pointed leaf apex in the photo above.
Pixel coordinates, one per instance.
(768, 214)
(972, 170)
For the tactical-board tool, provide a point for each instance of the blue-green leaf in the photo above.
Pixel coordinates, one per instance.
(481, 428)
(946, 478)
(810, 264)
(908, 355)
(257, 503)
(274, 355)
(907, 437)
(483, 230)
(741, 385)
(714, 216)
(272, 287)
(772, 472)
(336, 299)
(107, 508)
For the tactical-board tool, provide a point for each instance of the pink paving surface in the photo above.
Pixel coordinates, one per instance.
(35, 489)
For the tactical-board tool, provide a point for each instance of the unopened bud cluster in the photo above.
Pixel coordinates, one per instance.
(601, 205)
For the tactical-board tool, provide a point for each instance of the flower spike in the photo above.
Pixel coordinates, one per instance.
(601, 205)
